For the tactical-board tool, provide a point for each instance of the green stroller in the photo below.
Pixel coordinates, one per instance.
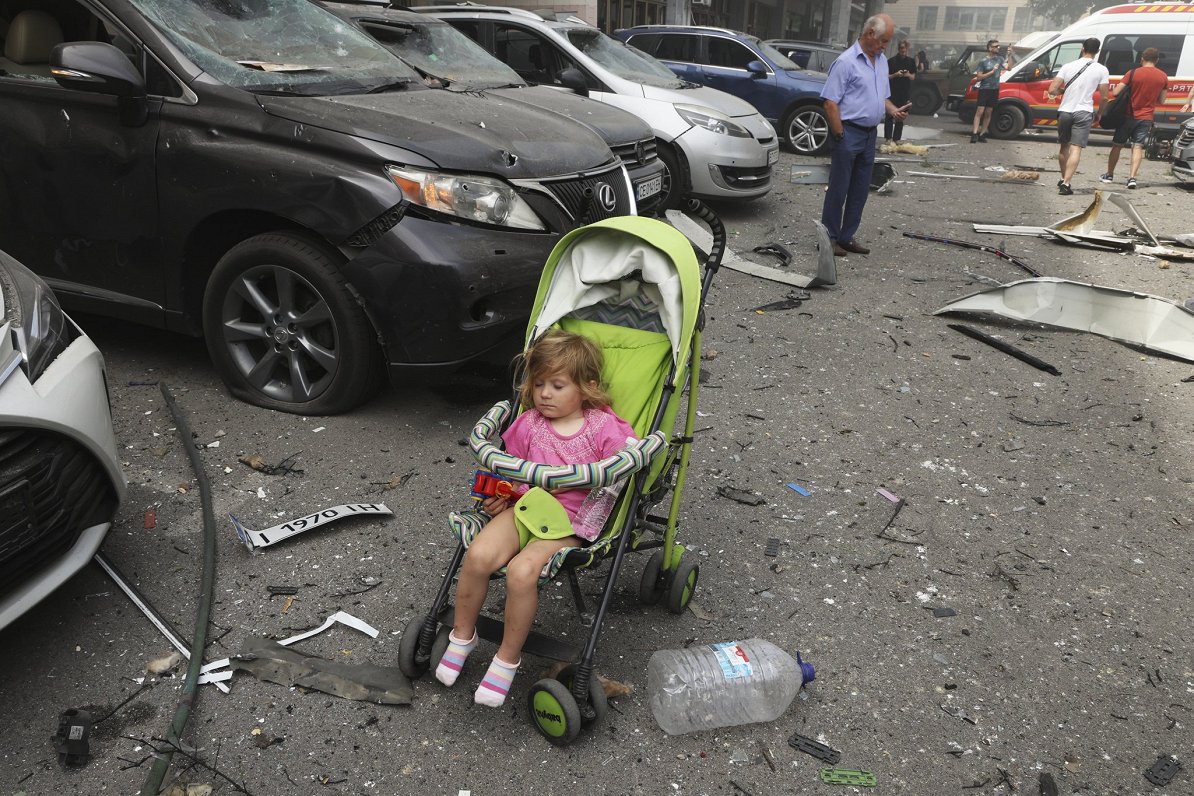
(634, 286)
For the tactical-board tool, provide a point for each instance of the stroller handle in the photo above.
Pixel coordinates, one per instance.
(702, 211)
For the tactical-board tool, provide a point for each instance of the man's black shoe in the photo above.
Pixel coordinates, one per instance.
(974, 138)
(854, 247)
(982, 138)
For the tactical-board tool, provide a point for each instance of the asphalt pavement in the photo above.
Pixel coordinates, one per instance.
(1025, 616)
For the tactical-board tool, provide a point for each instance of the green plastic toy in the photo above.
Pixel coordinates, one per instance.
(848, 776)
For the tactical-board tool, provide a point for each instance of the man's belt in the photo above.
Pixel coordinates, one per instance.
(858, 126)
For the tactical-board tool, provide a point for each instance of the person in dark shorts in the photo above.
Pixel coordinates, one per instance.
(901, 68)
(986, 80)
(1149, 86)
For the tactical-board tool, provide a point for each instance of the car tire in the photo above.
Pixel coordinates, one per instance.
(1007, 121)
(675, 180)
(925, 100)
(966, 116)
(806, 130)
(284, 329)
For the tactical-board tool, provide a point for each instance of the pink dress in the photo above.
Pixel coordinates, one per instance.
(531, 437)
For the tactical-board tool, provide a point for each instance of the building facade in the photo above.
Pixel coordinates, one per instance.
(940, 27)
(836, 21)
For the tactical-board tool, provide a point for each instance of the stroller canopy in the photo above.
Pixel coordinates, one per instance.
(623, 259)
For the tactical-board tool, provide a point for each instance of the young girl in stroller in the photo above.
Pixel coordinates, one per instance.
(568, 421)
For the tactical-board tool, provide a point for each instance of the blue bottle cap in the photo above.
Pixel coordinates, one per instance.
(807, 672)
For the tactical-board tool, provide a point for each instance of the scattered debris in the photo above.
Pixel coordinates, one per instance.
(789, 303)
(699, 612)
(1163, 771)
(768, 756)
(1016, 261)
(211, 673)
(1020, 177)
(255, 540)
(612, 688)
(741, 496)
(798, 489)
(283, 468)
(772, 549)
(882, 176)
(179, 789)
(776, 249)
(803, 743)
(1005, 347)
(151, 520)
(848, 776)
(958, 713)
(809, 174)
(74, 730)
(890, 496)
(286, 590)
(902, 148)
(1047, 785)
(271, 662)
(942, 613)
(703, 240)
(163, 664)
(1158, 324)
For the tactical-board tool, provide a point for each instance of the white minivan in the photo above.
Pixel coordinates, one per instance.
(715, 146)
(1124, 32)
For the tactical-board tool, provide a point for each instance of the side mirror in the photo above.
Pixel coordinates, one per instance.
(573, 78)
(757, 69)
(1029, 72)
(100, 68)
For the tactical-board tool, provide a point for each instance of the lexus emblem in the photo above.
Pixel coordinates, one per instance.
(607, 197)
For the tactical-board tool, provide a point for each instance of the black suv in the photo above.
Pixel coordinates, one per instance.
(259, 172)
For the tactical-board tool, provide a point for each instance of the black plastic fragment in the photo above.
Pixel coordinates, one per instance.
(74, 729)
(1163, 771)
(1048, 786)
(941, 613)
(1006, 348)
(776, 249)
(815, 748)
(741, 496)
(772, 547)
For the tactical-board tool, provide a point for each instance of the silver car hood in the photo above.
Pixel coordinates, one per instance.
(702, 95)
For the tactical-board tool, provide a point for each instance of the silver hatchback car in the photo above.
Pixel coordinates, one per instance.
(60, 479)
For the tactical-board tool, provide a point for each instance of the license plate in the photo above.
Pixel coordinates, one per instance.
(773, 157)
(649, 187)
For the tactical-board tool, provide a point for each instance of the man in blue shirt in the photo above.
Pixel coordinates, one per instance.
(856, 98)
(986, 82)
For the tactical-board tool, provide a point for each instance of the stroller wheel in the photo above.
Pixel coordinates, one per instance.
(412, 664)
(554, 712)
(596, 695)
(683, 585)
(651, 587)
(440, 645)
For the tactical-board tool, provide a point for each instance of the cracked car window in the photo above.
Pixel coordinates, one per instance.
(444, 52)
(622, 60)
(276, 45)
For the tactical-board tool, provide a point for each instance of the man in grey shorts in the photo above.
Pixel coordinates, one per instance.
(1076, 113)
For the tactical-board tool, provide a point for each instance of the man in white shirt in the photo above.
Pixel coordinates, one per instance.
(1077, 113)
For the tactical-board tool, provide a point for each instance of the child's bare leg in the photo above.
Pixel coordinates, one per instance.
(494, 546)
(522, 601)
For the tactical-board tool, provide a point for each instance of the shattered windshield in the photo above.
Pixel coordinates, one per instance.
(442, 51)
(284, 46)
(623, 61)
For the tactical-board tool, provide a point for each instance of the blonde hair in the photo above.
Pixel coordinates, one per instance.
(572, 354)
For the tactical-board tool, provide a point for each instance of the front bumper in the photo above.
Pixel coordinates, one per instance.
(60, 479)
(441, 294)
(724, 167)
(1183, 170)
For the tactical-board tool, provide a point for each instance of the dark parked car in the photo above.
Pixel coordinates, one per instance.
(264, 174)
(60, 478)
(808, 54)
(448, 58)
(787, 96)
(1183, 153)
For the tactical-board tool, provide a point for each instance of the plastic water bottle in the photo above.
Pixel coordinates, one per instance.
(595, 510)
(723, 685)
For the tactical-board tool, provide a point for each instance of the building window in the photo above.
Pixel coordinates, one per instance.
(926, 18)
(975, 18)
(1022, 22)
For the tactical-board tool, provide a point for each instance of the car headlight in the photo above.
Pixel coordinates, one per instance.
(711, 120)
(483, 199)
(40, 329)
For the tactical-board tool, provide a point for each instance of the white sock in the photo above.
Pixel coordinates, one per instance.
(454, 658)
(496, 683)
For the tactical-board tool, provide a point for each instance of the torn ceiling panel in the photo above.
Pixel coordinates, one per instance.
(270, 661)
(1158, 324)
